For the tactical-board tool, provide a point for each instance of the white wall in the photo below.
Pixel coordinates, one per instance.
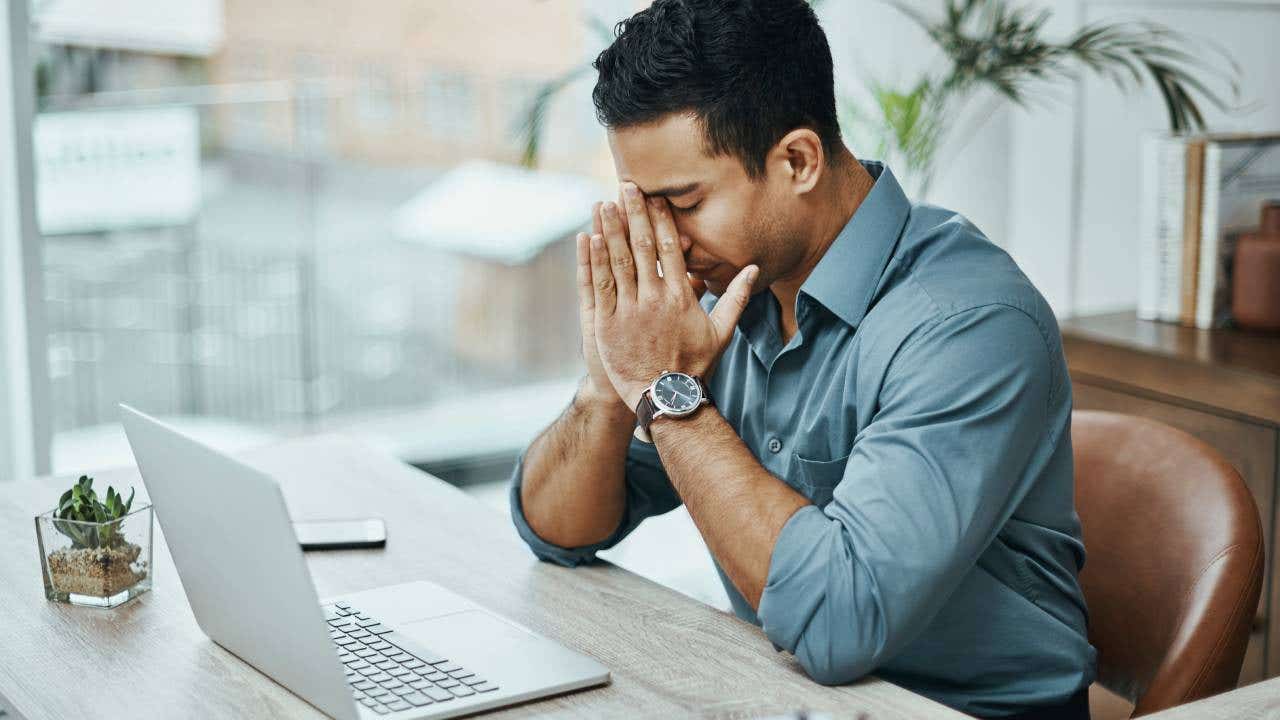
(872, 41)
(1111, 124)
(1042, 180)
(1057, 183)
(1075, 169)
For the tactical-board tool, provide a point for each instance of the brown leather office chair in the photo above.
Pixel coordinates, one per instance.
(1175, 559)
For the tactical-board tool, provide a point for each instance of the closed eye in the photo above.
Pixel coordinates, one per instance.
(686, 210)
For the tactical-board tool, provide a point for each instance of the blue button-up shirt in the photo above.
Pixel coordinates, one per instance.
(924, 409)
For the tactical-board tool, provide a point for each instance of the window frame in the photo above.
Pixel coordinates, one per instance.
(25, 422)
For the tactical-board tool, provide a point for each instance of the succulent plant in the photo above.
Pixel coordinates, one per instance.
(81, 505)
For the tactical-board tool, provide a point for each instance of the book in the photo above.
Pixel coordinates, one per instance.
(1161, 227)
(1241, 173)
(1191, 210)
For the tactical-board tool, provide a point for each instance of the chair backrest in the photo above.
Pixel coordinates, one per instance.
(1174, 559)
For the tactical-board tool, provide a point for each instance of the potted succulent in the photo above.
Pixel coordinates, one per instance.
(95, 551)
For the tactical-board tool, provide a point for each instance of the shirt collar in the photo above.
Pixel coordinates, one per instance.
(846, 278)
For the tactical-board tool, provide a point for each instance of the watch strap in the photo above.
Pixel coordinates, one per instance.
(645, 410)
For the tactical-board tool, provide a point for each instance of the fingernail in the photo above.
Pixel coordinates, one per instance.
(655, 203)
(752, 274)
(631, 191)
(597, 242)
(610, 209)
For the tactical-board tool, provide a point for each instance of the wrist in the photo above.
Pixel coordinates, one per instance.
(602, 400)
(663, 430)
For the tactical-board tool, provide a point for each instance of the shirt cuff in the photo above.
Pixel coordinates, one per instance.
(796, 584)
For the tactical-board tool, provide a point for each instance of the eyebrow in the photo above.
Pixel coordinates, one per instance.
(675, 191)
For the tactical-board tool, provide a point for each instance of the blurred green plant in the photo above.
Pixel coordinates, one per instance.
(992, 46)
(80, 505)
(998, 47)
(535, 115)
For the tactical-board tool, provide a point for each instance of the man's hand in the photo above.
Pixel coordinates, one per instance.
(596, 386)
(645, 323)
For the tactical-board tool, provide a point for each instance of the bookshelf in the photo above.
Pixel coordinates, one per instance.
(1222, 386)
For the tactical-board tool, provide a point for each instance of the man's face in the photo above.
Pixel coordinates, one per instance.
(729, 220)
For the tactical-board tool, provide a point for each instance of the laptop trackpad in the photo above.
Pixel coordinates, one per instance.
(506, 654)
(469, 636)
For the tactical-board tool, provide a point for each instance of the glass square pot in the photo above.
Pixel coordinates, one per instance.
(98, 564)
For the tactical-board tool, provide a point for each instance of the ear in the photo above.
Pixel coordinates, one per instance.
(800, 156)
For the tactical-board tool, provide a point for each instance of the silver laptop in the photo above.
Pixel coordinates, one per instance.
(414, 650)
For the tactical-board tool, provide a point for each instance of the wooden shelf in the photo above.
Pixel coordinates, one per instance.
(1227, 370)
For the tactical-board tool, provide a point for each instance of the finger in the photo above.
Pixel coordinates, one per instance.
(622, 204)
(730, 305)
(647, 280)
(602, 283)
(698, 286)
(597, 217)
(670, 250)
(586, 291)
(620, 258)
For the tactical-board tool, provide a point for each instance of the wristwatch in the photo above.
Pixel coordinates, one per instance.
(673, 394)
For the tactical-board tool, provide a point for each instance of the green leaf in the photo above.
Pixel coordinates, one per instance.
(536, 114)
(999, 45)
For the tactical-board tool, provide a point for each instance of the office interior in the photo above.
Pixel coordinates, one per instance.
(284, 228)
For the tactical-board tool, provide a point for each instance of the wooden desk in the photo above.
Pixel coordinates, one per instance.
(1221, 386)
(1260, 701)
(670, 656)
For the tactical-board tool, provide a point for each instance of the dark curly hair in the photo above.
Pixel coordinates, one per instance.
(750, 70)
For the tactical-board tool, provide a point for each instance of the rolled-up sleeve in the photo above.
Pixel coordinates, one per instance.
(649, 493)
(930, 481)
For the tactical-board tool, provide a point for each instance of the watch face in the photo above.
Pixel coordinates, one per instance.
(677, 393)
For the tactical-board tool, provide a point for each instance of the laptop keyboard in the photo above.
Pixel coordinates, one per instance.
(387, 678)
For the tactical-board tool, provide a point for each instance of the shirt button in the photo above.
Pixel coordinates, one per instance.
(775, 445)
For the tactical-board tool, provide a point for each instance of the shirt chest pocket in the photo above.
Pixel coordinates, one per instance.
(817, 479)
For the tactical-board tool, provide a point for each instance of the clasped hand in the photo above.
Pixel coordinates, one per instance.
(635, 322)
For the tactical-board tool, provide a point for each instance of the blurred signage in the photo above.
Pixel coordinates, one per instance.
(166, 27)
(113, 170)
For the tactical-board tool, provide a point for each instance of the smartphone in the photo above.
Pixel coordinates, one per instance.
(340, 534)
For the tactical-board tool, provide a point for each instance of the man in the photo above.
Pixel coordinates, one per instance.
(884, 473)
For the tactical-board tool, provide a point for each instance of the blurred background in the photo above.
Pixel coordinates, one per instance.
(266, 219)
(296, 217)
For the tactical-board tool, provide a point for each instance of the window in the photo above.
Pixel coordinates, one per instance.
(311, 73)
(375, 96)
(515, 98)
(449, 106)
(23, 392)
(248, 255)
(249, 123)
